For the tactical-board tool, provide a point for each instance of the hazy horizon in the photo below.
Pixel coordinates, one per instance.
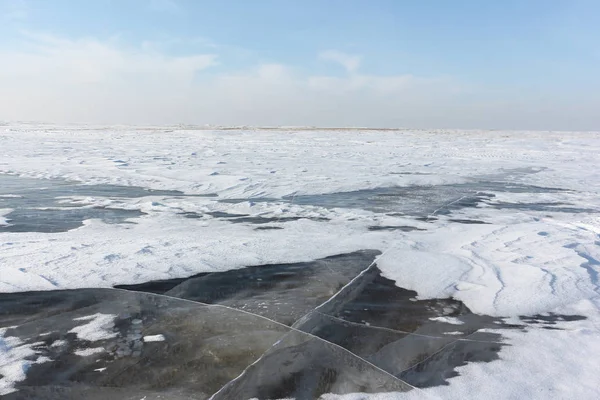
(393, 64)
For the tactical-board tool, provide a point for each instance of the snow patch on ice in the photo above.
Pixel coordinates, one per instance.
(99, 327)
(16, 357)
(58, 343)
(89, 351)
(448, 320)
(154, 338)
(3, 213)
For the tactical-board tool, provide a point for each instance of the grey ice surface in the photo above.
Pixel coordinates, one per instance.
(38, 204)
(41, 205)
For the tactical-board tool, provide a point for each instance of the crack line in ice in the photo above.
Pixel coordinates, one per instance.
(351, 282)
(291, 204)
(316, 310)
(410, 333)
(439, 351)
(292, 328)
(444, 206)
(326, 341)
(277, 323)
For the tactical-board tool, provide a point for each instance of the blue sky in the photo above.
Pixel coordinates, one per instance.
(525, 64)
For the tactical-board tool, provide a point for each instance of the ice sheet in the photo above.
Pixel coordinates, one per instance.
(204, 347)
(509, 253)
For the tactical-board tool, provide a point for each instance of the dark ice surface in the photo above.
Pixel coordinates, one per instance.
(388, 326)
(62, 220)
(467, 221)
(334, 325)
(370, 317)
(204, 346)
(304, 367)
(550, 318)
(423, 202)
(402, 228)
(247, 219)
(46, 190)
(426, 200)
(283, 292)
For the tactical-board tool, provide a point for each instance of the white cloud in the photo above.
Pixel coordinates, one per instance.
(88, 61)
(348, 61)
(88, 80)
(59, 80)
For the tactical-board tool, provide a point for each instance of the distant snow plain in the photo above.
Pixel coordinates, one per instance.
(520, 262)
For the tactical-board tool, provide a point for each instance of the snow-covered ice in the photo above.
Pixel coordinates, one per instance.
(521, 252)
